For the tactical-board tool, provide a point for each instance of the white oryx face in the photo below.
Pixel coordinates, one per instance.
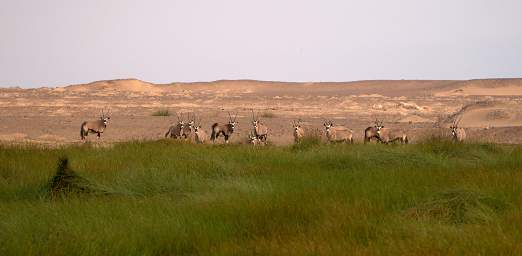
(379, 128)
(191, 124)
(328, 125)
(106, 120)
(453, 130)
(232, 124)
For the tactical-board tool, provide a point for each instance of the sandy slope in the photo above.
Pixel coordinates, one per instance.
(50, 115)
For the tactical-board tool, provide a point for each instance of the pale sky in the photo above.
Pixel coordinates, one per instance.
(60, 42)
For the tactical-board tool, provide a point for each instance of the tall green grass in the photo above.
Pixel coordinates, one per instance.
(168, 198)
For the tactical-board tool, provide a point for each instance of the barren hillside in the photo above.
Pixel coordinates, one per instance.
(53, 115)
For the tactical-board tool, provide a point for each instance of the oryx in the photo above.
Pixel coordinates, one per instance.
(260, 129)
(176, 131)
(224, 129)
(97, 126)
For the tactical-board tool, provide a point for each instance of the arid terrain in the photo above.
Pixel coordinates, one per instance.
(490, 109)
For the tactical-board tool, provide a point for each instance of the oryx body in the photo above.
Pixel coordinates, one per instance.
(370, 133)
(97, 126)
(225, 130)
(188, 128)
(458, 134)
(299, 132)
(260, 129)
(200, 135)
(176, 131)
(338, 133)
(388, 135)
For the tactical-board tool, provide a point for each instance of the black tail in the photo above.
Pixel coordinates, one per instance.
(213, 135)
(167, 134)
(82, 132)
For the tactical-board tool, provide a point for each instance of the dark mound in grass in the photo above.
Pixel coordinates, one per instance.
(66, 181)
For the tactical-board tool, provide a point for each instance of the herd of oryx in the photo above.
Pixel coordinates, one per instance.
(259, 134)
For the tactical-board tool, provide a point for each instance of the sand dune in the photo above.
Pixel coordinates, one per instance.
(493, 87)
(120, 85)
(54, 115)
(374, 88)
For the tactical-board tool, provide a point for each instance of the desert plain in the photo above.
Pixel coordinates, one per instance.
(489, 109)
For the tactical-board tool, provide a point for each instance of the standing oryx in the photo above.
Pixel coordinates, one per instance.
(224, 129)
(176, 131)
(200, 134)
(260, 129)
(388, 135)
(187, 127)
(371, 132)
(299, 132)
(458, 134)
(338, 133)
(97, 126)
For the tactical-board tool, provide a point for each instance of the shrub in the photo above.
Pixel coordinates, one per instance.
(163, 112)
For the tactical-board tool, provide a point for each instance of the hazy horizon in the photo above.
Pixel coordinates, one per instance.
(56, 43)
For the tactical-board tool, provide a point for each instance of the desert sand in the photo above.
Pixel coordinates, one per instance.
(490, 109)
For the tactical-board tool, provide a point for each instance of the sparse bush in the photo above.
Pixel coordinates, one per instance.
(162, 112)
(459, 207)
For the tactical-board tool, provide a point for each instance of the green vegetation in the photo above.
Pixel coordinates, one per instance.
(162, 112)
(168, 198)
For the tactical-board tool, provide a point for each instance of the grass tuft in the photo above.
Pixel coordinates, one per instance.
(162, 112)
(459, 207)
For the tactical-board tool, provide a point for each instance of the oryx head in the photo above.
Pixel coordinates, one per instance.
(105, 116)
(378, 125)
(232, 121)
(255, 121)
(190, 122)
(197, 126)
(181, 123)
(454, 127)
(328, 124)
(296, 125)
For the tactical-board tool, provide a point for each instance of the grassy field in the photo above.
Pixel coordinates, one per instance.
(166, 198)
